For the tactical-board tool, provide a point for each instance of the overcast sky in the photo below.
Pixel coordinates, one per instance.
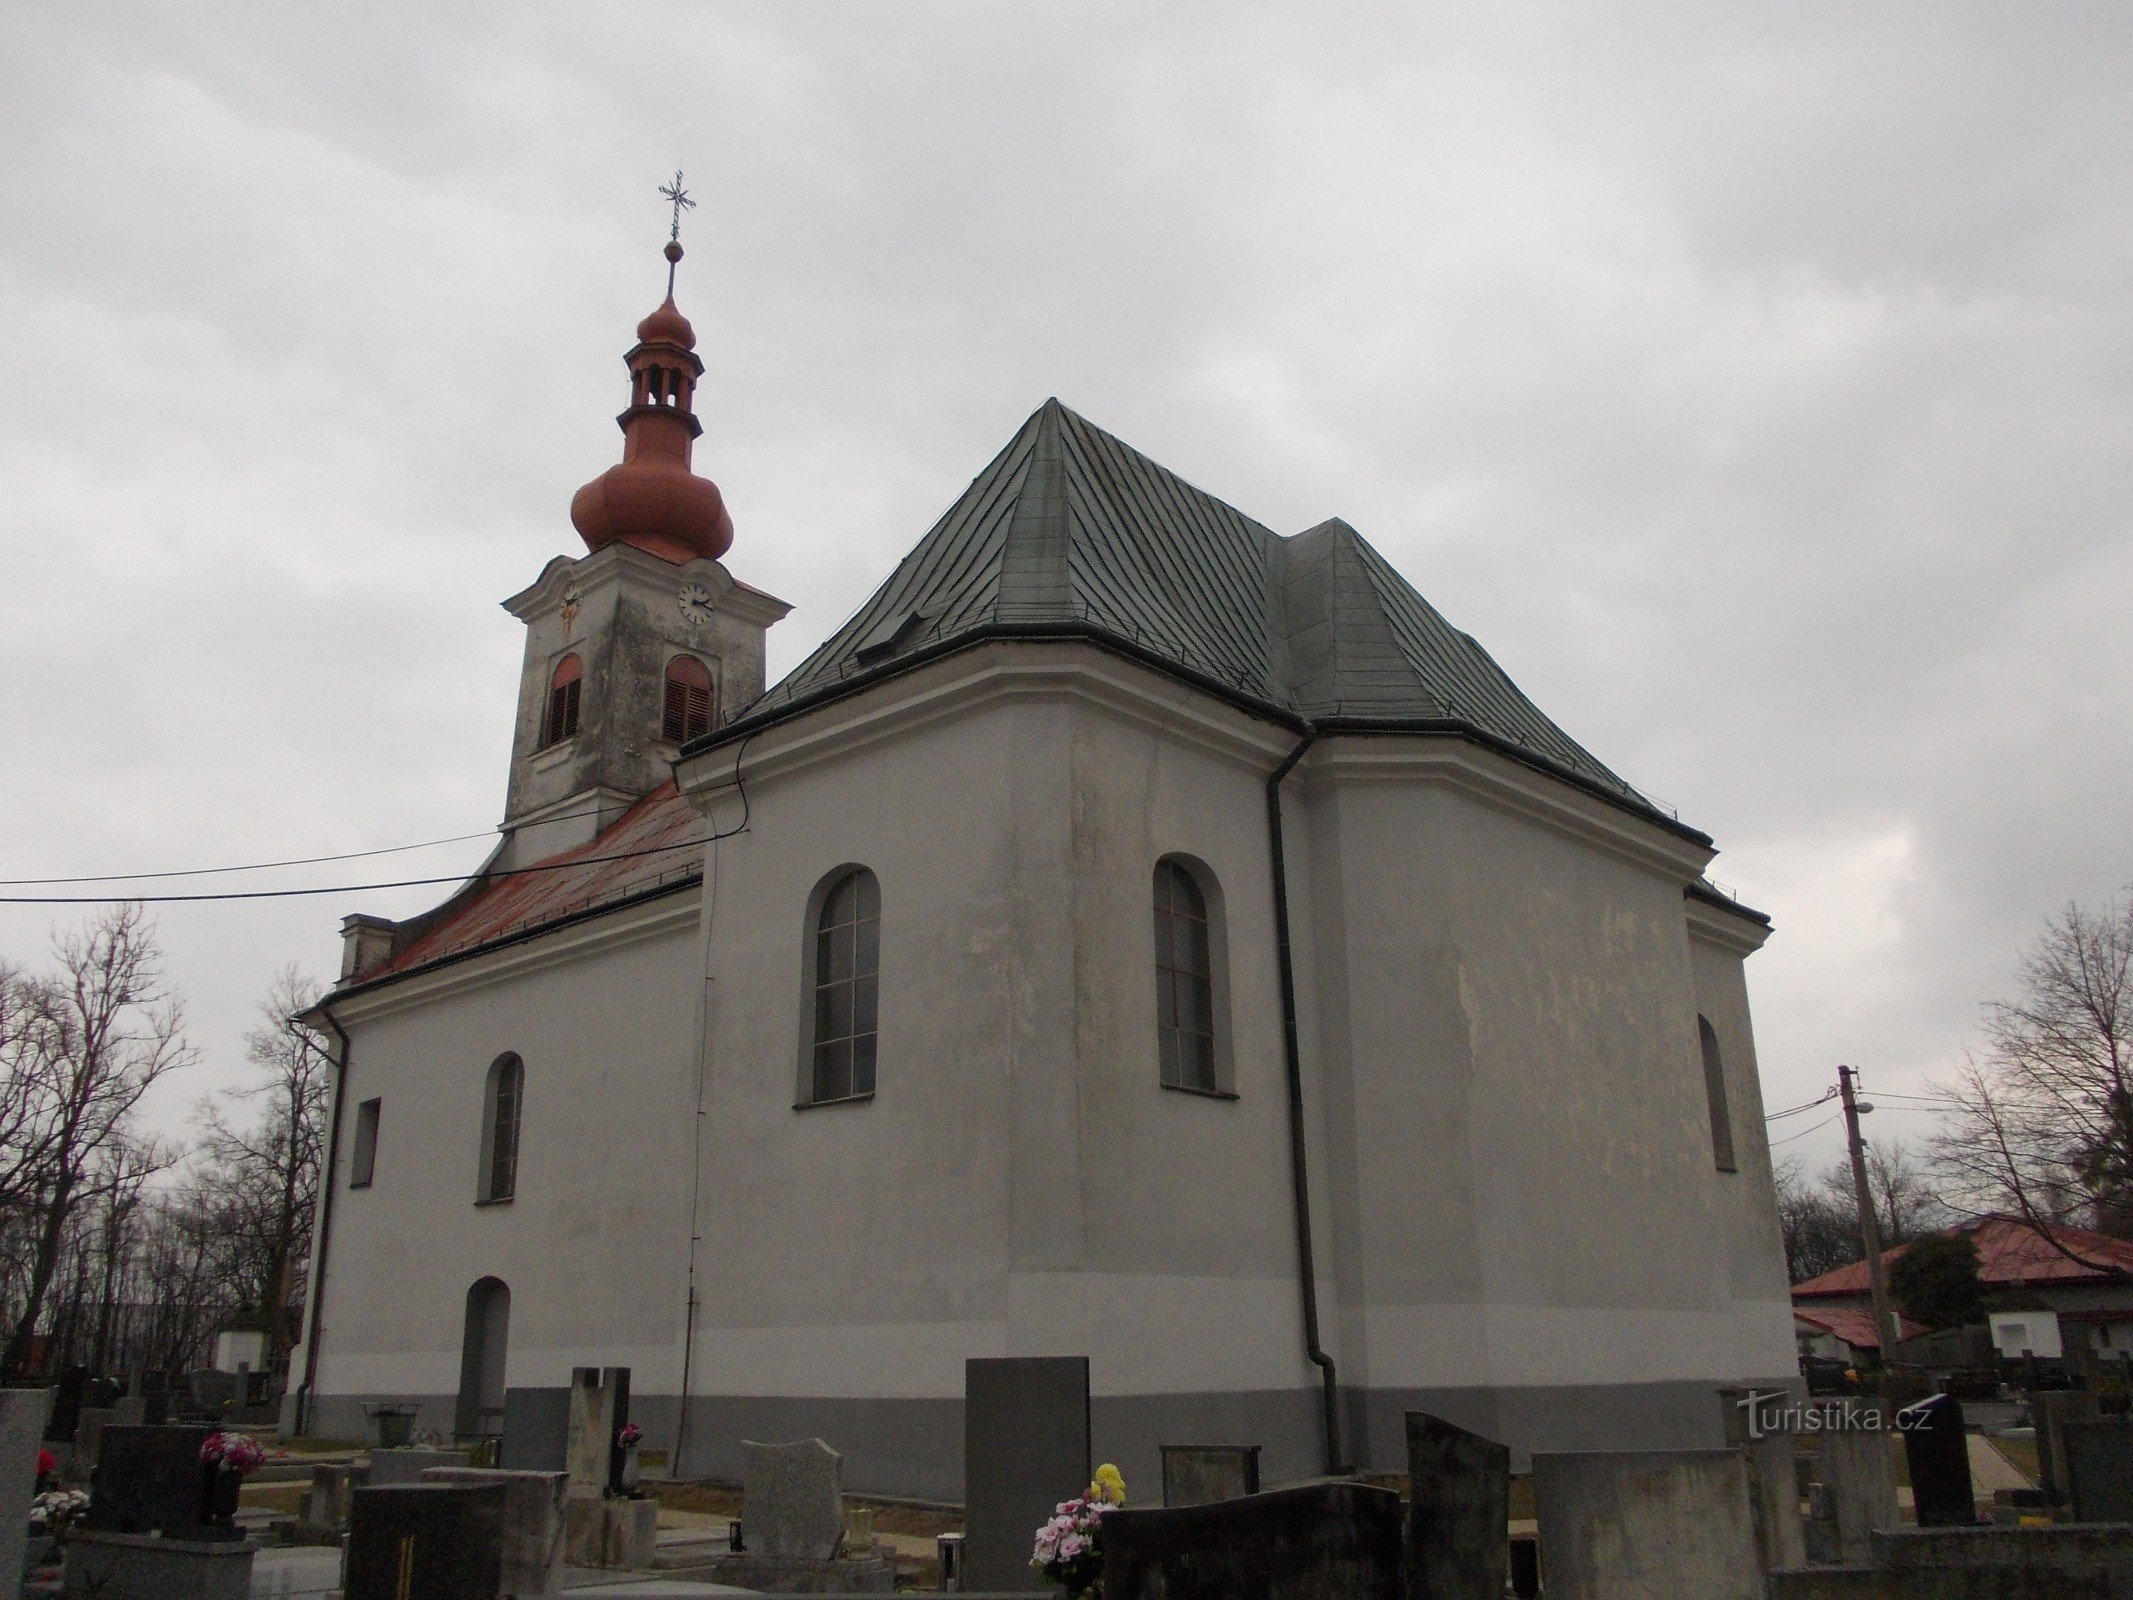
(1754, 381)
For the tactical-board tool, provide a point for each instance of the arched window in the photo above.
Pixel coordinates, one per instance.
(479, 1413)
(501, 1103)
(1714, 1089)
(1184, 979)
(563, 688)
(847, 967)
(688, 701)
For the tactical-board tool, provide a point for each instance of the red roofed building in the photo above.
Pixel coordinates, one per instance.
(2086, 1278)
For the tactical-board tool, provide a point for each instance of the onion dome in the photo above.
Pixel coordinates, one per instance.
(651, 498)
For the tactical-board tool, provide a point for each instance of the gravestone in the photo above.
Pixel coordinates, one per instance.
(536, 1430)
(392, 1467)
(531, 1555)
(1340, 1541)
(1200, 1474)
(68, 1397)
(599, 1406)
(88, 1438)
(23, 1414)
(148, 1480)
(2099, 1470)
(792, 1505)
(130, 1410)
(1938, 1454)
(1758, 1425)
(441, 1541)
(329, 1501)
(1632, 1524)
(132, 1566)
(155, 1398)
(1459, 1509)
(1025, 1449)
(215, 1392)
(2052, 1410)
(1856, 1466)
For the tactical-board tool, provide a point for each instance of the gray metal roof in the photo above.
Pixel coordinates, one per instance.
(1069, 530)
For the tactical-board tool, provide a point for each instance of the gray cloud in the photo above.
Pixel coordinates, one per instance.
(1754, 382)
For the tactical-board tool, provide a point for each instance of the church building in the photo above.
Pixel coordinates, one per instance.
(1136, 933)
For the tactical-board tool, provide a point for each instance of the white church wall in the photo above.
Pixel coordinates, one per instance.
(592, 1245)
(1527, 1193)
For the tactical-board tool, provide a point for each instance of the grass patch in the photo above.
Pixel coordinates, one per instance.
(283, 1497)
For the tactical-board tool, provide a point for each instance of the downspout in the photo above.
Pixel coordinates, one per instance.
(325, 1218)
(1292, 1061)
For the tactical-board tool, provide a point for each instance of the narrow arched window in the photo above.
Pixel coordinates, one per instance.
(847, 967)
(501, 1105)
(688, 701)
(1184, 979)
(563, 690)
(1714, 1090)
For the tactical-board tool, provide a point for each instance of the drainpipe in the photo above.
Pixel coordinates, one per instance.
(327, 1185)
(1306, 1268)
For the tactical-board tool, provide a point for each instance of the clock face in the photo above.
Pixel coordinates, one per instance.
(572, 599)
(695, 603)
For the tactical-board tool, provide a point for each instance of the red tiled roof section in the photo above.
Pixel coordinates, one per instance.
(640, 850)
(1855, 1328)
(2009, 1252)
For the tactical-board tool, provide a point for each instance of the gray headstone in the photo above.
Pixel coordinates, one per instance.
(23, 1414)
(89, 1428)
(1459, 1509)
(1633, 1524)
(2052, 1410)
(1200, 1474)
(330, 1499)
(1855, 1464)
(2099, 1470)
(442, 1541)
(1759, 1425)
(792, 1500)
(1938, 1454)
(1025, 1449)
(599, 1406)
(129, 1410)
(531, 1555)
(537, 1430)
(1327, 1541)
(392, 1467)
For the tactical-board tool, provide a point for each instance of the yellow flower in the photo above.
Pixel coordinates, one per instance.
(1109, 1487)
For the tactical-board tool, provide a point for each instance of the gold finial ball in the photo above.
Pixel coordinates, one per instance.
(673, 250)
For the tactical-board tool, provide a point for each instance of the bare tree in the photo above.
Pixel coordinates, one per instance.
(2044, 1125)
(1819, 1233)
(262, 1182)
(1819, 1213)
(105, 1029)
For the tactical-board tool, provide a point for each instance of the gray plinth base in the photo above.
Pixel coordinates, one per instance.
(796, 1575)
(135, 1566)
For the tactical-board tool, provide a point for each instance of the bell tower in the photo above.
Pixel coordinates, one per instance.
(646, 641)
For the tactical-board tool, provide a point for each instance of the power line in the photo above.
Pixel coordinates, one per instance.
(1806, 1105)
(335, 888)
(267, 866)
(1804, 1132)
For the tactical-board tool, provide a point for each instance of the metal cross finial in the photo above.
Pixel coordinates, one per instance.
(681, 201)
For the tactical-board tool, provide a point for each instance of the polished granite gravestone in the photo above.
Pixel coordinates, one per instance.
(792, 1502)
(536, 1430)
(1025, 1449)
(148, 1480)
(1459, 1508)
(23, 1414)
(1620, 1523)
(2099, 1470)
(69, 1395)
(1326, 1541)
(1938, 1454)
(533, 1521)
(438, 1541)
(1200, 1474)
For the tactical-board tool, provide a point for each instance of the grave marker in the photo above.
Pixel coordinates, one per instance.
(1459, 1508)
(1938, 1454)
(2099, 1470)
(23, 1414)
(1632, 1524)
(792, 1505)
(1200, 1474)
(149, 1480)
(536, 1430)
(439, 1541)
(531, 1553)
(1336, 1540)
(1025, 1449)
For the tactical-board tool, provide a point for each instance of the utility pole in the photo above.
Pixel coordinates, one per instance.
(1869, 1218)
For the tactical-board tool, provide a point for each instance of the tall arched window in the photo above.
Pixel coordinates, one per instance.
(1714, 1089)
(1184, 979)
(563, 689)
(688, 701)
(480, 1411)
(501, 1103)
(847, 968)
